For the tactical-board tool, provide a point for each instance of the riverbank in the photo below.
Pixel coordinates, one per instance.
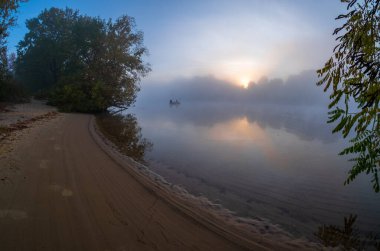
(64, 187)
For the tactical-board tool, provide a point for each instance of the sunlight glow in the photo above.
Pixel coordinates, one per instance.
(239, 71)
(244, 81)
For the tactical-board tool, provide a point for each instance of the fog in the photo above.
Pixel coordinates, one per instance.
(295, 105)
(298, 90)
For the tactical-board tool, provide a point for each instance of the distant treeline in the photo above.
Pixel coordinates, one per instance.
(79, 63)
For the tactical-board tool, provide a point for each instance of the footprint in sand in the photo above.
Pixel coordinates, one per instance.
(67, 192)
(13, 214)
(44, 164)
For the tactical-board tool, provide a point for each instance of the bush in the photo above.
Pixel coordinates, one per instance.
(78, 98)
(11, 92)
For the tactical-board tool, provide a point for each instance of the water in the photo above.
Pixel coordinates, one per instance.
(278, 163)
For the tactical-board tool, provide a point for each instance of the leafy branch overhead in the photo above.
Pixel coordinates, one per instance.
(82, 63)
(352, 75)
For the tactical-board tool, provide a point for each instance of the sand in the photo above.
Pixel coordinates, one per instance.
(62, 187)
(24, 111)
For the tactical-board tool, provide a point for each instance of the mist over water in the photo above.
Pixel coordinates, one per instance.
(263, 152)
(265, 161)
(296, 90)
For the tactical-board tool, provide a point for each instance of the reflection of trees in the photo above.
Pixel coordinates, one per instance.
(125, 133)
(347, 237)
(307, 123)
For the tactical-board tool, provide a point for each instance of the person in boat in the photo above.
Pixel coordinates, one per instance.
(174, 102)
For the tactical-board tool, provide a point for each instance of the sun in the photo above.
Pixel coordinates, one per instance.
(245, 82)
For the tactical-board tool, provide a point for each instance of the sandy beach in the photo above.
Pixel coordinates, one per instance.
(62, 187)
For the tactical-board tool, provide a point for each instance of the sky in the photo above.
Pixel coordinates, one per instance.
(236, 41)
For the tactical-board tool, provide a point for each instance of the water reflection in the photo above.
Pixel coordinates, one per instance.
(307, 123)
(243, 134)
(258, 161)
(348, 237)
(125, 132)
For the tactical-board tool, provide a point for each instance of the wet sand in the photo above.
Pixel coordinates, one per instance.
(60, 190)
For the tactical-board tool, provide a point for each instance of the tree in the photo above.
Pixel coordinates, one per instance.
(7, 19)
(352, 75)
(86, 63)
(42, 52)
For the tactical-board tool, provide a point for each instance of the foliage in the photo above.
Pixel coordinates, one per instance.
(7, 19)
(352, 75)
(86, 63)
(79, 97)
(334, 236)
(9, 90)
(125, 133)
(348, 237)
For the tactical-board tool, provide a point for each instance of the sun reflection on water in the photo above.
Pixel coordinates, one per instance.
(247, 137)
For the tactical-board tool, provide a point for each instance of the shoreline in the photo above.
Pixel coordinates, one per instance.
(243, 231)
(28, 174)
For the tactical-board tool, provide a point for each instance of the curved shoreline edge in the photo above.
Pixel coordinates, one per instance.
(247, 233)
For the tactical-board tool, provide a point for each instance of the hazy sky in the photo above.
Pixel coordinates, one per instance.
(236, 40)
